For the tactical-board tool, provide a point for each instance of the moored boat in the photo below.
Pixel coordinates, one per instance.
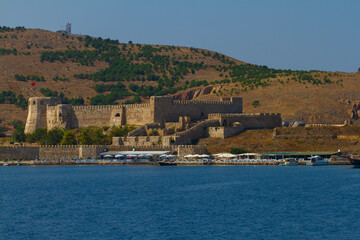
(290, 162)
(167, 163)
(355, 161)
(317, 161)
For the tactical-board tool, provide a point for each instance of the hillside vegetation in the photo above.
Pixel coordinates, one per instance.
(88, 70)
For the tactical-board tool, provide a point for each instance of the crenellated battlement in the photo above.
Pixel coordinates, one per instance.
(202, 102)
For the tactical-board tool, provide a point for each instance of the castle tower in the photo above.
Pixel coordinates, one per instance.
(37, 112)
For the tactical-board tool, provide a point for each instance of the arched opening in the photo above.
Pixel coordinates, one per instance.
(117, 115)
(34, 103)
(60, 115)
(202, 116)
(225, 123)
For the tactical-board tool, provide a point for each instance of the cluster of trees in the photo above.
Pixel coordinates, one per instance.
(84, 57)
(19, 135)
(237, 150)
(23, 78)
(57, 78)
(65, 100)
(4, 51)
(119, 69)
(9, 29)
(117, 91)
(82, 136)
(10, 97)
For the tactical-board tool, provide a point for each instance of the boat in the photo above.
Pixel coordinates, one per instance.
(353, 160)
(167, 163)
(5, 164)
(317, 161)
(290, 162)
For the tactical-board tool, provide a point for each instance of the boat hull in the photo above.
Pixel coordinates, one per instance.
(167, 164)
(355, 162)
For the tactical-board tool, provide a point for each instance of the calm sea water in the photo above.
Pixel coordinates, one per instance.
(198, 202)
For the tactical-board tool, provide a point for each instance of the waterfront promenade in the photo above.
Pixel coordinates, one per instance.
(154, 163)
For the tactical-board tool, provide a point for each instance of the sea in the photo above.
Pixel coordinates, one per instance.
(183, 202)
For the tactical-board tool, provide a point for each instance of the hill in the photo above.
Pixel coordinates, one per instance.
(88, 70)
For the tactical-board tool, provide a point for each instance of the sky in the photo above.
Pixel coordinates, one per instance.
(282, 34)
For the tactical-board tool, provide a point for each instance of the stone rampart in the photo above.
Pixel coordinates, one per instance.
(224, 132)
(194, 133)
(250, 121)
(169, 110)
(57, 152)
(18, 153)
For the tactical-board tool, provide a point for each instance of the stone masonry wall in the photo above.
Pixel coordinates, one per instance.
(170, 111)
(85, 151)
(224, 132)
(194, 133)
(250, 121)
(18, 153)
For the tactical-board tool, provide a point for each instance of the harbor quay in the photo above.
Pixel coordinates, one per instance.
(181, 155)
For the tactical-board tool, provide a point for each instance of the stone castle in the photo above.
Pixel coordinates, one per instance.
(178, 122)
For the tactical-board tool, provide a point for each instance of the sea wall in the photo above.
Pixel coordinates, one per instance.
(18, 153)
(57, 152)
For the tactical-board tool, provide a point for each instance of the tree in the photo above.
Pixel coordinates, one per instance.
(236, 150)
(19, 135)
(256, 103)
(85, 138)
(68, 138)
(54, 136)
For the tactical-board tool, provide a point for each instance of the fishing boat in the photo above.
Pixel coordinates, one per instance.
(355, 161)
(317, 161)
(290, 162)
(167, 163)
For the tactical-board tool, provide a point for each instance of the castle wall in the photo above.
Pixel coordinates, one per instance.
(224, 132)
(194, 133)
(138, 114)
(85, 151)
(250, 121)
(170, 111)
(18, 153)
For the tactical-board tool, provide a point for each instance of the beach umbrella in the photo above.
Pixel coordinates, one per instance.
(149, 155)
(119, 155)
(132, 155)
(108, 156)
(170, 156)
(189, 156)
(163, 156)
(204, 155)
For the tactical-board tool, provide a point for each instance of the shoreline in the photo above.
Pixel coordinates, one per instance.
(74, 163)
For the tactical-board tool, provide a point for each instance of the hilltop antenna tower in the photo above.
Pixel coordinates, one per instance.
(68, 28)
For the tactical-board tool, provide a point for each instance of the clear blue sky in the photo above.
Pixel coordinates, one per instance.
(295, 34)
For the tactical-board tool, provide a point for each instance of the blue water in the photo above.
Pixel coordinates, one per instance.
(198, 202)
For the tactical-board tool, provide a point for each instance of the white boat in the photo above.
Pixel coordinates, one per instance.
(290, 162)
(317, 161)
